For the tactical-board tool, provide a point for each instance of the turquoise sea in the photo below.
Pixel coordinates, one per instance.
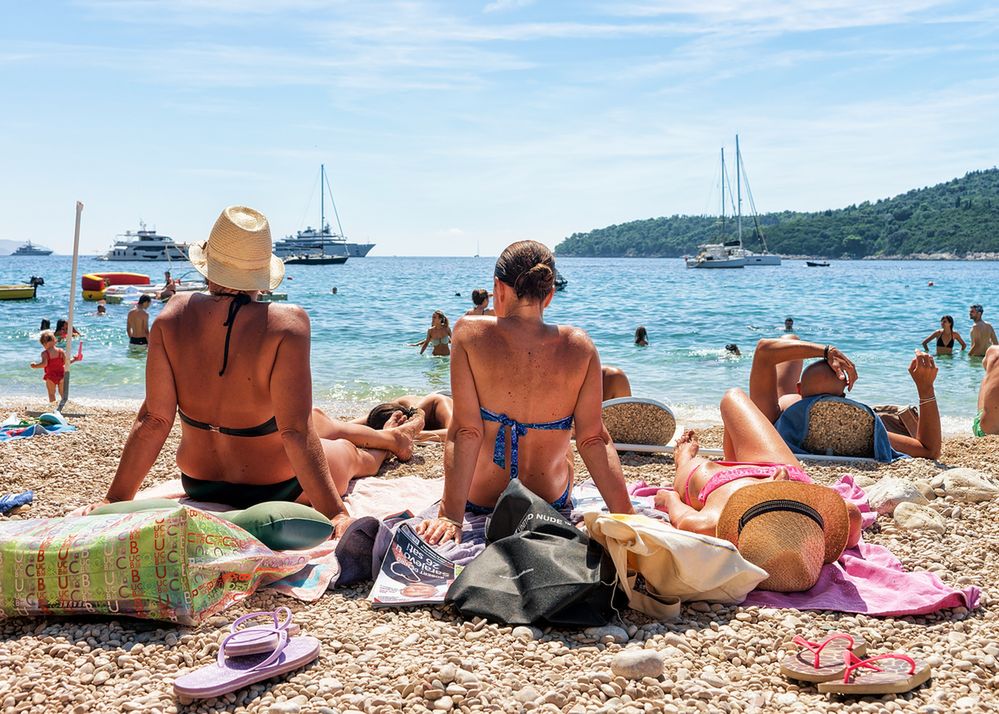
(877, 311)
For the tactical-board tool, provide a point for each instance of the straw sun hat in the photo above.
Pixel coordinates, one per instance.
(788, 528)
(237, 254)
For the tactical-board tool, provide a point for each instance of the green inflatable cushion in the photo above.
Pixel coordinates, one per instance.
(280, 525)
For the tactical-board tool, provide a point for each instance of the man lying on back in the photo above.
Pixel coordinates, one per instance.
(777, 383)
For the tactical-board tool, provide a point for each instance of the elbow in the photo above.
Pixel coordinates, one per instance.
(154, 425)
(465, 434)
(600, 440)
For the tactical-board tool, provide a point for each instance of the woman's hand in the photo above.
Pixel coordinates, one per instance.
(340, 523)
(87, 510)
(842, 366)
(439, 530)
(923, 371)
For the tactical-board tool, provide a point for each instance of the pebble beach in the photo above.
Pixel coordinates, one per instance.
(714, 658)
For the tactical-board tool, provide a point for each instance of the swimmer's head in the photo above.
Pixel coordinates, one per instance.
(641, 334)
(383, 412)
(733, 349)
(46, 337)
(439, 318)
(947, 321)
(789, 323)
(820, 378)
(480, 297)
(975, 312)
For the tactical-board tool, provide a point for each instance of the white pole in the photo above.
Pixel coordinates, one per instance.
(72, 303)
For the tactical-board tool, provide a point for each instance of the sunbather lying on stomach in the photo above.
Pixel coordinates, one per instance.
(987, 421)
(777, 382)
(755, 454)
(518, 385)
(436, 409)
(237, 372)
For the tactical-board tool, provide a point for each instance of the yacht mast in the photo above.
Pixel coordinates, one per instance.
(723, 193)
(322, 197)
(738, 186)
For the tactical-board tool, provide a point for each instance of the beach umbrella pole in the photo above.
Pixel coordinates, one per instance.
(72, 303)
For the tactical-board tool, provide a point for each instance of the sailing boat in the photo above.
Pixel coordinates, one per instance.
(718, 255)
(316, 247)
(752, 259)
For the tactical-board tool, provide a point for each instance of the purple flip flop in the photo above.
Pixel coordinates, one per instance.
(258, 640)
(230, 674)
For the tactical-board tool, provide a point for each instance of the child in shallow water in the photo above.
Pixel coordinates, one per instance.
(53, 361)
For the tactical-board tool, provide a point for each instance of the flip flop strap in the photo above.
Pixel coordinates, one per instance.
(854, 663)
(281, 644)
(817, 647)
(281, 625)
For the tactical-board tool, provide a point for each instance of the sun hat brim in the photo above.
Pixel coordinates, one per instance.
(228, 276)
(826, 502)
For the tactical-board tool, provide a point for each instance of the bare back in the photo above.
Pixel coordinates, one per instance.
(532, 373)
(193, 338)
(138, 323)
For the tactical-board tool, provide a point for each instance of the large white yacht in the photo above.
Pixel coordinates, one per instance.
(146, 245)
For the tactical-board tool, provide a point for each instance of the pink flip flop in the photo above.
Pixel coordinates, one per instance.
(821, 661)
(230, 674)
(895, 674)
(257, 640)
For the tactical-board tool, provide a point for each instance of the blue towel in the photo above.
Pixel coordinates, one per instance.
(793, 427)
(9, 433)
(10, 501)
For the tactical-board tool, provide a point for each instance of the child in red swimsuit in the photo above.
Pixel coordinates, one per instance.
(53, 362)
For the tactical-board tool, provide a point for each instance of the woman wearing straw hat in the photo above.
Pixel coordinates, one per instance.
(760, 499)
(237, 373)
(519, 384)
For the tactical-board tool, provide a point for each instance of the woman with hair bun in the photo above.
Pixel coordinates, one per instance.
(519, 384)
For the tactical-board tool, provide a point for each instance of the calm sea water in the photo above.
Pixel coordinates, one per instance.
(878, 312)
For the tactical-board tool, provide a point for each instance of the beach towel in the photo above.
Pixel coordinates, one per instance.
(793, 427)
(868, 579)
(14, 428)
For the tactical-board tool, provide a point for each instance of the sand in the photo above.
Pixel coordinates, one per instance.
(716, 658)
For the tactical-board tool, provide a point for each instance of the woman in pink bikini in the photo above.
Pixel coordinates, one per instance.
(755, 454)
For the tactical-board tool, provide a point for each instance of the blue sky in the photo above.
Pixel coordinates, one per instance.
(447, 124)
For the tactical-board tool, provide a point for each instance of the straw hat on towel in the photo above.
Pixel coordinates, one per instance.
(237, 254)
(788, 528)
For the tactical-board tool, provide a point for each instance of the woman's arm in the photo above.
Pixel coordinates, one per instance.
(423, 345)
(152, 423)
(959, 339)
(927, 442)
(291, 397)
(932, 337)
(594, 443)
(772, 352)
(461, 448)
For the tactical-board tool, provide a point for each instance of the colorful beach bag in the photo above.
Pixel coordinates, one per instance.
(179, 564)
(676, 565)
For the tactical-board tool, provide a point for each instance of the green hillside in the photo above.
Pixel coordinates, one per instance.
(960, 216)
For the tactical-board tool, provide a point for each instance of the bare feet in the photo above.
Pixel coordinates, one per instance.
(405, 432)
(687, 447)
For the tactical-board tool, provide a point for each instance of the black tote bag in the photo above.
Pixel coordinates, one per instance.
(538, 569)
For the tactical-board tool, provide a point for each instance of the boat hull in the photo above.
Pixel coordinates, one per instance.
(359, 250)
(717, 264)
(316, 260)
(765, 259)
(17, 292)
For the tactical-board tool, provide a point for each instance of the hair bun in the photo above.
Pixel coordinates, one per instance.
(538, 280)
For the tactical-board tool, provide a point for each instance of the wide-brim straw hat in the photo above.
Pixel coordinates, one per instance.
(237, 254)
(788, 528)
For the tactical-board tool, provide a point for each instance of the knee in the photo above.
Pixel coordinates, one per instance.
(733, 397)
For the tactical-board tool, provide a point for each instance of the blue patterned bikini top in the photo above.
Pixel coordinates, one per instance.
(517, 430)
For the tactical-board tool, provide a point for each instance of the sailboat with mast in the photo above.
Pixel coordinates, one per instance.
(312, 246)
(733, 253)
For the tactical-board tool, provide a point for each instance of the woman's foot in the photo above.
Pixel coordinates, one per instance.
(687, 448)
(405, 432)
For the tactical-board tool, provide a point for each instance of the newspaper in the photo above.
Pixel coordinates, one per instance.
(412, 573)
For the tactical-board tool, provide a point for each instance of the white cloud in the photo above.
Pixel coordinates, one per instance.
(505, 5)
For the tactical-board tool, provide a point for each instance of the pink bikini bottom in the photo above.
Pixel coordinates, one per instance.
(738, 471)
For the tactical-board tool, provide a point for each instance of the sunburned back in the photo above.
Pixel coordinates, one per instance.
(532, 373)
(194, 341)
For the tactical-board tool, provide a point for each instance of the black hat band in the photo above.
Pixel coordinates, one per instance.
(780, 505)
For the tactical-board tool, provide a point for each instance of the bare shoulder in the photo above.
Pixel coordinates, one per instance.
(472, 327)
(288, 318)
(576, 338)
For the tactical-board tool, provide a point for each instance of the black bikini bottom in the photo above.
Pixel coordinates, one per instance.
(240, 495)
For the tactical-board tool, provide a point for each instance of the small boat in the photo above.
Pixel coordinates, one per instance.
(560, 281)
(29, 249)
(816, 264)
(715, 255)
(315, 259)
(21, 291)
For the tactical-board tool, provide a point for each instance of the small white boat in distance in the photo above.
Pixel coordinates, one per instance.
(715, 255)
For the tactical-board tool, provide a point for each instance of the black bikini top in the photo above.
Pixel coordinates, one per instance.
(238, 301)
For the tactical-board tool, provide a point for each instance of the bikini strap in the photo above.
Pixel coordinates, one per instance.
(238, 301)
(517, 430)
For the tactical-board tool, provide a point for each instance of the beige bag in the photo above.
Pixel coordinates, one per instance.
(677, 565)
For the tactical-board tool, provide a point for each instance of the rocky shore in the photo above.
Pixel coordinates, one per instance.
(712, 659)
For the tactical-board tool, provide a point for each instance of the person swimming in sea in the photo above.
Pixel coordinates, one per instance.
(438, 336)
(480, 303)
(945, 337)
(641, 336)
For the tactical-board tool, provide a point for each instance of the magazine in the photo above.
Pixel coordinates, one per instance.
(412, 573)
